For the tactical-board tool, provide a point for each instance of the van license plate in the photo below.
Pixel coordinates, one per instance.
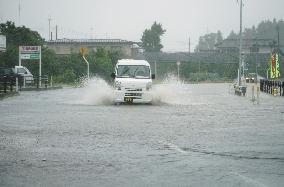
(128, 99)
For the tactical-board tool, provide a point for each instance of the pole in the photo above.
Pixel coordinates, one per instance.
(17, 84)
(19, 12)
(257, 95)
(155, 68)
(56, 32)
(256, 64)
(19, 55)
(189, 45)
(39, 66)
(198, 70)
(240, 51)
(49, 20)
(88, 68)
(278, 37)
(178, 71)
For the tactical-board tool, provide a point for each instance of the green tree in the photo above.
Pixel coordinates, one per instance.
(208, 41)
(16, 36)
(151, 38)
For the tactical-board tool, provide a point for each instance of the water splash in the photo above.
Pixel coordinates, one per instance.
(97, 91)
(171, 91)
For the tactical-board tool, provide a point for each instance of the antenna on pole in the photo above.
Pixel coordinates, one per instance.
(49, 34)
(56, 28)
(189, 45)
(19, 13)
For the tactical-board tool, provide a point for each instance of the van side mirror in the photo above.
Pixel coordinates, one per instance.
(153, 76)
(112, 75)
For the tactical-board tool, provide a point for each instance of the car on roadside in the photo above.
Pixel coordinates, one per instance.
(25, 73)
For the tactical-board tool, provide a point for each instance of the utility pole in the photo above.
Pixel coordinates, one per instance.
(49, 35)
(189, 45)
(278, 37)
(19, 13)
(56, 32)
(241, 41)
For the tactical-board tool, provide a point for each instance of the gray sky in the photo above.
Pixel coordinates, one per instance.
(127, 19)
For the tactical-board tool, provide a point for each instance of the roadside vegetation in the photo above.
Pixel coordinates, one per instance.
(67, 69)
(70, 69)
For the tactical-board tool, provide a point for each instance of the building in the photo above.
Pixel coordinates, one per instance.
(68, 46)
(248, 46)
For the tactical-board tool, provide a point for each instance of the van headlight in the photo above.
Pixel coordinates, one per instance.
(117, 85)
(148, 86)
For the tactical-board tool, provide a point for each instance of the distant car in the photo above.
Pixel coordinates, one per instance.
(23, 71)
(251, 78)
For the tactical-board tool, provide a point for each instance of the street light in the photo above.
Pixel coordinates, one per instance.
(83, 52)
(178, 64)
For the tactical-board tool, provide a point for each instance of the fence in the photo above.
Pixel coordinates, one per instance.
(272, 87)
(9, 83)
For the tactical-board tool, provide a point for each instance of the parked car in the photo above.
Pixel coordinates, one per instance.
(23, 71)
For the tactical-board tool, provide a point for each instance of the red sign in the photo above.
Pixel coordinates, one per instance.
(30, 49)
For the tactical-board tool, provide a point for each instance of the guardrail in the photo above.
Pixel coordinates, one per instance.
(10, 83)
(272, 87)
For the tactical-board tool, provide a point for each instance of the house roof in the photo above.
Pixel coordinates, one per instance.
(91, 41)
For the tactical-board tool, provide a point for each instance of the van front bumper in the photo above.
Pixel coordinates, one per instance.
(133, 97)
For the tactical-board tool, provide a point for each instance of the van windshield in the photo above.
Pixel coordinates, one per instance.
(133, 71)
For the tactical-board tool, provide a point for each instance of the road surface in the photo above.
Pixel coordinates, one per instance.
(193, 135)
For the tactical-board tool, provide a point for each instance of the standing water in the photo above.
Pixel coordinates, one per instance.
(193, 135)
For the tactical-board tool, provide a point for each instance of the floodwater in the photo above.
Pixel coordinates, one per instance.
(193, 135)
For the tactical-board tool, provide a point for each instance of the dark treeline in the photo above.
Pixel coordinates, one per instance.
(264, 30)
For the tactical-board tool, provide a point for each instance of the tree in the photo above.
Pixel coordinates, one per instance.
(151, 38)
(16, 36)
(233, 35)
(208, 41)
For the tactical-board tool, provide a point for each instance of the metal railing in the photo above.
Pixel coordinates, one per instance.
(272, 87)
(10, 83)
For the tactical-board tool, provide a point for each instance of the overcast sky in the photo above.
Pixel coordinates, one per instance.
(127, 19)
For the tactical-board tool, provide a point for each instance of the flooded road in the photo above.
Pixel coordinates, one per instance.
(193, 135)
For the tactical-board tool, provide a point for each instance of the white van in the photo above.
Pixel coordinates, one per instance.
(23, 71)
(133, 81)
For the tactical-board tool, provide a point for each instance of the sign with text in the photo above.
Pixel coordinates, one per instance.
(30, 52)
(30, 56)
(30, 49)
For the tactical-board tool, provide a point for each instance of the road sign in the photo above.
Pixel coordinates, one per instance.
(30, 49)
(84, 51)
(34, 56)
(178, 63)
(30, 53)
(2, 43)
